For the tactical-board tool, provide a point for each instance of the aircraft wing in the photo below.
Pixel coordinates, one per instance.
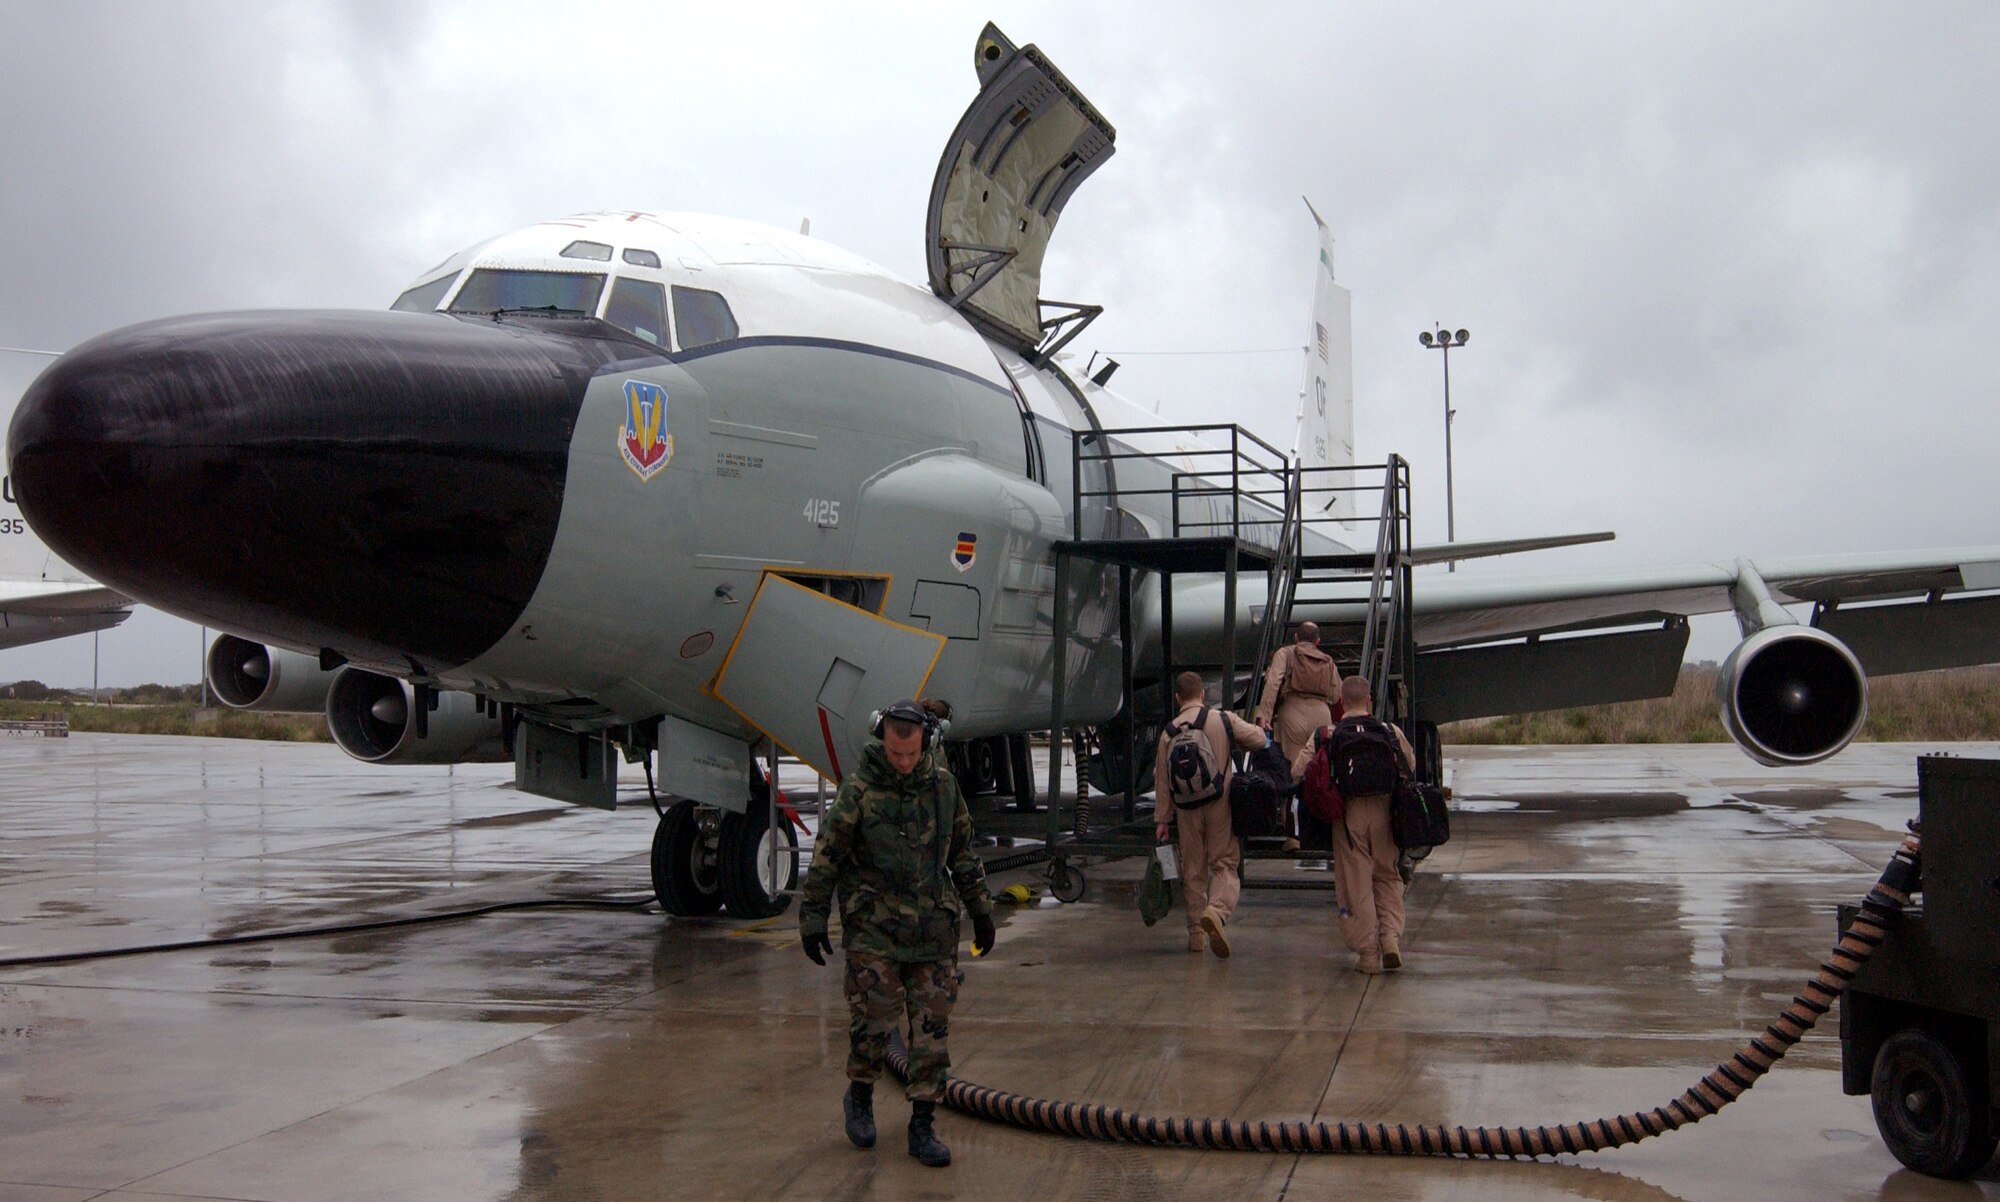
(57, 599)
(1454, 610)
(1790, 692)
(36, 611)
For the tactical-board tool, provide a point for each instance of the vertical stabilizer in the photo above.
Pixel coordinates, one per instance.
(1326, 399)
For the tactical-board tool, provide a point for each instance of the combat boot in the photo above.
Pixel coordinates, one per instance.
(924, 1143)
(858, 1107)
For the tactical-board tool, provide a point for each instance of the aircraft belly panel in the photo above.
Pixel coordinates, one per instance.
(808, 671)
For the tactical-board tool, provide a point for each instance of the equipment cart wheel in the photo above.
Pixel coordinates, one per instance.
(684, 876)
(749, 888)
(1931, 1111)
(1066, 884)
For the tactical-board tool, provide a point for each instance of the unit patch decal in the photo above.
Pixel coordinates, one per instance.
(966, 551)
(644, 441)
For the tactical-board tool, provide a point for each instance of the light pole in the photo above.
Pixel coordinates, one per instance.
(1444, 340)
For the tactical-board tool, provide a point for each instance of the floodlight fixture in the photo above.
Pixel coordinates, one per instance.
(1444, 340)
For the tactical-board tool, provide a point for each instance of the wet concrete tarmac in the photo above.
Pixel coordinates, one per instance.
(1604, 926)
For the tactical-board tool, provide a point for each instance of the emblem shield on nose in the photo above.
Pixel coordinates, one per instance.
(644, 442)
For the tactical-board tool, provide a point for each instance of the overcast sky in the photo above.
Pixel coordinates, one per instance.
(1732, 272)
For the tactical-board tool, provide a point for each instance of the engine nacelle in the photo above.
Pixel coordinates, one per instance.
(1792, 695)
(251, 676)
(374, 718)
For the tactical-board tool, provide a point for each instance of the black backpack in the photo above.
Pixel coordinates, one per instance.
(1365, 758)
(1257, 794)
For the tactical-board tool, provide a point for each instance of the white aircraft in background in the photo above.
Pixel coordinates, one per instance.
(41, 597)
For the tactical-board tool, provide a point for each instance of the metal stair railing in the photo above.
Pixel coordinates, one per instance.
(1384, 649)
(1280, 587)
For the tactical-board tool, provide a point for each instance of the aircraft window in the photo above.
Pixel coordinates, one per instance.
(596, 252)
(491, 290)
(702, 317)
(639, 306)
(641, 258)
(424, 298)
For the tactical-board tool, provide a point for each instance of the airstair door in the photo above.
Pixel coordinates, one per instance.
(808, 671)
(1019, 151)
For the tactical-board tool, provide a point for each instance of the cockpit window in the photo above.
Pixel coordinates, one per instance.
(596, 252)
(424, 298)
(702, 317)
(641, 258)
(639, 306)
(490, 290)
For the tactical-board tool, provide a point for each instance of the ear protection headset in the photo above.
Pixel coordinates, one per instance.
(907, 711)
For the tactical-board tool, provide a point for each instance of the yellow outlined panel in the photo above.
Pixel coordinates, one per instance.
(807, 670)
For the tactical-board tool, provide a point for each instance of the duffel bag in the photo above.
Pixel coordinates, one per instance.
(1417, 817)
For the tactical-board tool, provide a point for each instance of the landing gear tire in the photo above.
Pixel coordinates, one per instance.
(684, 872)
(1066, 884)
(1931, 1111)
(743, 862)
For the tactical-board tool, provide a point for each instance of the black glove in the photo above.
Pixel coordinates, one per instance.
(818, 946)
(982, 933)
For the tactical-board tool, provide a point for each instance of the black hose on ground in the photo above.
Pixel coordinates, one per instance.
(1725, 1084)
(344, 928)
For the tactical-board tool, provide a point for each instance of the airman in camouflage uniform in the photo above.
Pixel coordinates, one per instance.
(897, 847)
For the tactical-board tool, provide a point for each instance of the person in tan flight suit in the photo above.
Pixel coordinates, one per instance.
(1300, 688)
(1209, 855)
(1367, 886)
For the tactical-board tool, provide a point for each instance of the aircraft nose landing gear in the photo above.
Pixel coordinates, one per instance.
(705, 859)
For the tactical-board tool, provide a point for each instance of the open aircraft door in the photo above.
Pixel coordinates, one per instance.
(808, 670)
(1019, 151)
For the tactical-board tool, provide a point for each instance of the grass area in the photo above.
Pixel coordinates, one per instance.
(1955, 706)
(1958, 705)
(172, 718)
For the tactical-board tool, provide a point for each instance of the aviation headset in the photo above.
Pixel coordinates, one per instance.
(908, 711)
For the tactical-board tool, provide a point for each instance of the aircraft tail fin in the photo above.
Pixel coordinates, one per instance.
(1325, 436)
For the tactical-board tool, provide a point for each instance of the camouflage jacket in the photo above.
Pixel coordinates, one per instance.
(898, 848)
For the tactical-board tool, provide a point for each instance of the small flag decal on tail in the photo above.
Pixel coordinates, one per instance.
(967, 549)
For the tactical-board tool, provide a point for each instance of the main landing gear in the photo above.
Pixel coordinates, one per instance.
(705, 859)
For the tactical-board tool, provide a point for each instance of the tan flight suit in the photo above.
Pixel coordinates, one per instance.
(1209, 858)
(1298, 714)
(1367, 886)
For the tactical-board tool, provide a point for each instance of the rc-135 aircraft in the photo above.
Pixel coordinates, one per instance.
(655, 481)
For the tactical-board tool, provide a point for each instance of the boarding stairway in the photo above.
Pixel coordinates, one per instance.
(1331, 543)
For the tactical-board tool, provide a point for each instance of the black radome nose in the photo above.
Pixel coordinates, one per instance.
(386, 485)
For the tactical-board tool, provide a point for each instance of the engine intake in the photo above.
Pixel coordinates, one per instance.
(1792, 695)
(251, 676)
(374, 718)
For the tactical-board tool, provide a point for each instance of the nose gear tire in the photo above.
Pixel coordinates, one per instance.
(743, 863)
(684, 876)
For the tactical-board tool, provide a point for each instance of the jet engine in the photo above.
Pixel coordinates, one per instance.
(375, 718)
(1792, 695)
(251, 676)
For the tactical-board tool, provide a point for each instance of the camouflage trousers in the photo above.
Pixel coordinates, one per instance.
(881, 993)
